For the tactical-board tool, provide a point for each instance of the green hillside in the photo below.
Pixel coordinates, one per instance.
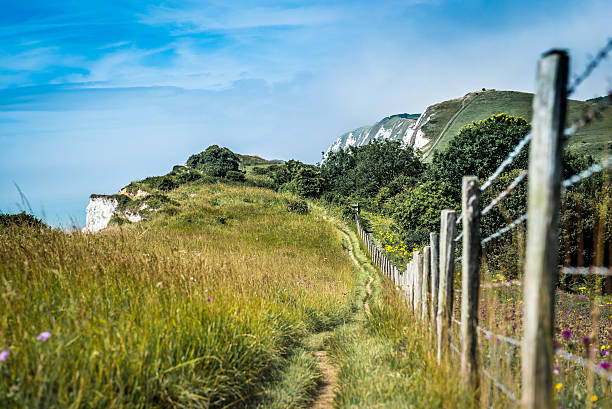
(451, 115)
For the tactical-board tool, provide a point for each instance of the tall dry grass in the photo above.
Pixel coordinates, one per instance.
(193, 308)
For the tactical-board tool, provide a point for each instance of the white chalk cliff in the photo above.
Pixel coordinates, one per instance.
(99, 212)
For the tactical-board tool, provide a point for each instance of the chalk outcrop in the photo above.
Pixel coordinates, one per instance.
(100, 210)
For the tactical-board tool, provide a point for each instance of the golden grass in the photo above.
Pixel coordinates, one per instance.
(189, 310)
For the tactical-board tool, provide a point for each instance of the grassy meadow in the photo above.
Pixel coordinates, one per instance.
(205, 304)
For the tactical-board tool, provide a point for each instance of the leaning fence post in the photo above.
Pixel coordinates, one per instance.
(470, 278)
(445, 287)
(549, 105)
(433, 243)
(425, 282)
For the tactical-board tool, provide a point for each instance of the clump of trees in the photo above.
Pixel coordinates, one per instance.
(215, 161)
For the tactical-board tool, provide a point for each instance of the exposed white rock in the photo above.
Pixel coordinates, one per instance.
(133, 217)
(99, 212)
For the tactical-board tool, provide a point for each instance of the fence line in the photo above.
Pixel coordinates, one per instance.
(427, 281)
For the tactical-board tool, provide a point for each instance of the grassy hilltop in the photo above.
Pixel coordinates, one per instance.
(450, 116)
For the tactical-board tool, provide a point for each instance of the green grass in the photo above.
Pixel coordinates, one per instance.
(208, 307)
(387, 360)
(594, 139)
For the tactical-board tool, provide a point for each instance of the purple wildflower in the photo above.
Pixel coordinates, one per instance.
(488, 336)
(4, 355)
(586, 340)
(604, 353)
(43, 336)
(566, 333)
(605, 365)
(557, 369)
(209, 299)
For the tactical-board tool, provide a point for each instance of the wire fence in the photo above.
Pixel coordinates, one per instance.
(529, 303)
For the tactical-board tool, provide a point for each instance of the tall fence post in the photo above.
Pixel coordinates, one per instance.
(433, 244)
(445, 288)
(425, 282)
(417, 282)
(470, 278)
(549, 106)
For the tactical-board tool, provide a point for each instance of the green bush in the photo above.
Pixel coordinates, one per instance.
(21, 220)
(297, 206)
(418, 210)
(478, 149)
(167, 184)
(235, 175)
(215, 161)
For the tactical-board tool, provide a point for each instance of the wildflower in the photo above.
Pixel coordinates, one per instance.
(557, 369)
(605, 365)
(558, 386)
(566, 333)
(4, 354)
(209, 299)
(594, 398)
(488, 336)
(43, 336)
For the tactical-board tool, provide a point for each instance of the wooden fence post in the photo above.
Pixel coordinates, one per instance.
(433, 243)
(425, 283)
(418, 281)
(445, 287)
(470, 278)
(549, 106)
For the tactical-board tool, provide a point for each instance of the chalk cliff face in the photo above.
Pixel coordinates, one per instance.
(99, 212)
(402, 127)
(102, 208)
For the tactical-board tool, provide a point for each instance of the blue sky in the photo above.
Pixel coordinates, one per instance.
(94, 94)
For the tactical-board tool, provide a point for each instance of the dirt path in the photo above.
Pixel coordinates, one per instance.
(325, 398)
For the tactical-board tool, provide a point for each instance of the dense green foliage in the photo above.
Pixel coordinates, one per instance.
(360, 172)
(478, 149)
(21, 220)
(214, 161)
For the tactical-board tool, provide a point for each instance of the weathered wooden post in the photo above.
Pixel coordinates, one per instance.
(549, 107)
(445, 287)
(426, 268)
(418, 282)
(470, 278)
(433, 244)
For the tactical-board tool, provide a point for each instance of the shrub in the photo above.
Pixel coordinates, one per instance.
(167, 184)
(215, 161)
(297, 206)
(21, 220)
(235, 175)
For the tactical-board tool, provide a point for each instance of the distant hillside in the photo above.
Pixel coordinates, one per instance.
(440, 122)
(606, 99)
(247, 160)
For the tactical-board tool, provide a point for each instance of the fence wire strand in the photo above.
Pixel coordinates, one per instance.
(588, 172)
(500, 337)
(505, 229)
(583, 271)
(502, 195)
(601, 55)
(499, 385)
(509, 159)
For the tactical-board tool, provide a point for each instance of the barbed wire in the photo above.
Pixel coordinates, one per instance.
(588, 116)
(503, 284)
(601, 55)
(600, 271)
(584, 363)
(509, 159)
(588, 172)
(500, 337)
(454, 348)
(458, 259)
(459, 236)
(502, 195)
(459, 218)
(505, 229)
(499, 385)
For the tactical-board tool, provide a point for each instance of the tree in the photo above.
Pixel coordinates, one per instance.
(361, 171)
(478, 150)
(308, 182)
(214, 161)
(417, 210)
